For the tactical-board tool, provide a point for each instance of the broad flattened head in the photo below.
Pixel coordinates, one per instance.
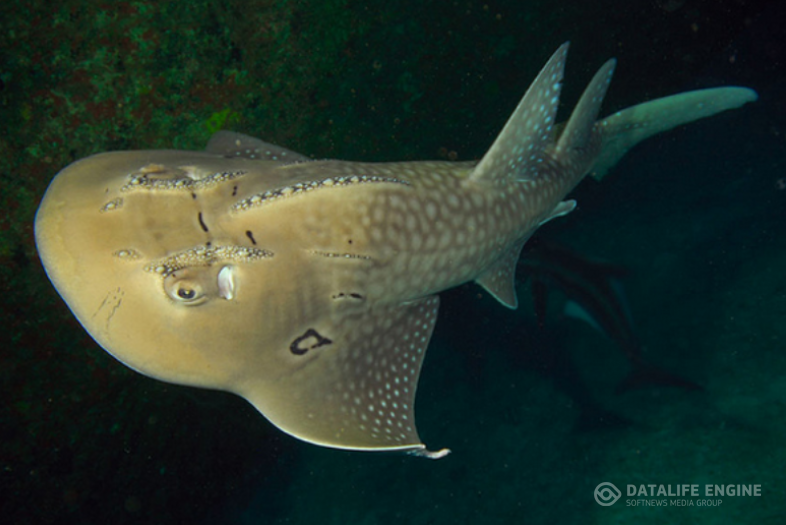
(123, 238)
(162, 263)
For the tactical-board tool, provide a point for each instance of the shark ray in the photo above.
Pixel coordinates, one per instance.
(310, 287)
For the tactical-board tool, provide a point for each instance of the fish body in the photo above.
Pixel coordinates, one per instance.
(310, 287)
(594, 294)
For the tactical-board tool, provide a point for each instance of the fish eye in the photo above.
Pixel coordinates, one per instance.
(186, 294)
(184, 290)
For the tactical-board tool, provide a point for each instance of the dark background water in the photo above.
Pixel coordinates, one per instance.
(696, 215)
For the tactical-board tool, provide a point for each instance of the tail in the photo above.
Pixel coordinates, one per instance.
(525, 151)
(624, 129)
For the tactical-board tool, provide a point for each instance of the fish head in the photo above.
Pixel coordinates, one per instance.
(168, 264)
(146, 252)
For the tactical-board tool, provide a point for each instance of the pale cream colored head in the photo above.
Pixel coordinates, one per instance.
(151, 254)
(100, 237)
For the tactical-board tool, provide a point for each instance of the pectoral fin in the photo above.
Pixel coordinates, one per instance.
(359, 391)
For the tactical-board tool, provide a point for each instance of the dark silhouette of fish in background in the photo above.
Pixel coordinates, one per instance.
(595, 295)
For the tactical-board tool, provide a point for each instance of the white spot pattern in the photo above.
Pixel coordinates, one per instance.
(521, 145)
(205, 256)
(176, 180)
(377, 376)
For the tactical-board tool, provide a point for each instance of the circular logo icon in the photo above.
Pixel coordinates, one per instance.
(606, 494)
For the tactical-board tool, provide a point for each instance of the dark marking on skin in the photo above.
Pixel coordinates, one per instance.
(103, 303)
(193, 196)
(208, 244)
(234, 190)
(342, 295)
(251, 236)
(310, 340)
(202, 223)
(115, 297)
(350, 241)
(114, 309)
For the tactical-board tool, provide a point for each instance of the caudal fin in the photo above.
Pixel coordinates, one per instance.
(624, 129)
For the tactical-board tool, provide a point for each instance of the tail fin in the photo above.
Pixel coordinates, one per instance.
(624, 129)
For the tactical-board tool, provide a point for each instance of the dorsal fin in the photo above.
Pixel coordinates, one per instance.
(521, 144)
(233, 144)
(578, 130)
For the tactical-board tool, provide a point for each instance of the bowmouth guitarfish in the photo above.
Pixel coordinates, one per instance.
(310, 287)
